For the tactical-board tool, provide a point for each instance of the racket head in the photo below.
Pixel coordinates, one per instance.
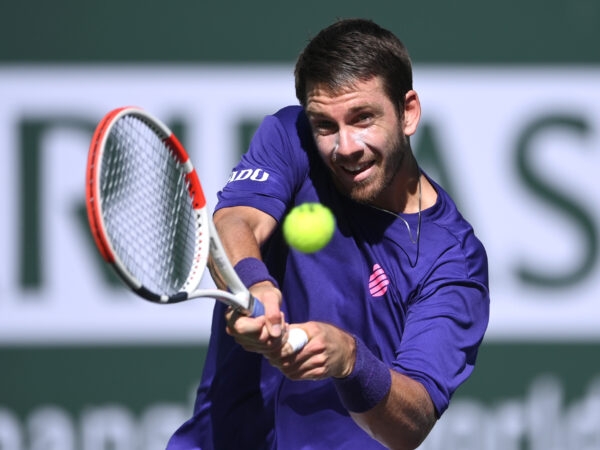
(146, 207)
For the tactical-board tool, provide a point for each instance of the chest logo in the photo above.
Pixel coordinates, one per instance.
(378, 281)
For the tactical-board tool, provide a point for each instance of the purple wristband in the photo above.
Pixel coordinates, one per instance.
(252, 271)
(368, 383)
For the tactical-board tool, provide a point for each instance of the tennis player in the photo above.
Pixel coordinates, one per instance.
(395, 306)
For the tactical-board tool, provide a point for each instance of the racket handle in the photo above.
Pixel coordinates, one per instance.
(297, 338)
(258, 308)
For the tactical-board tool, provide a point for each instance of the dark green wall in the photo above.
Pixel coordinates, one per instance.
(511, 31)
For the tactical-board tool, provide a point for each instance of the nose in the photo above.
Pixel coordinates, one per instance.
(348, 142)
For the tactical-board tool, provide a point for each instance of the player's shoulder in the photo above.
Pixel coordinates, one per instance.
(291, 122)
(290, 113)
(447, 218)
(452, 227)
(293, 117)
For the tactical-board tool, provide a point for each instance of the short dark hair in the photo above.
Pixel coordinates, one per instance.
(353, 50)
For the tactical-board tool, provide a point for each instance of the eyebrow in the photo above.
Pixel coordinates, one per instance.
(352, 110)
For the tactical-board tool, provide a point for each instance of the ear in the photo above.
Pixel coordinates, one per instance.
(412, 112)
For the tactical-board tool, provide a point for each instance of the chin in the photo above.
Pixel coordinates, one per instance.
(363, 194)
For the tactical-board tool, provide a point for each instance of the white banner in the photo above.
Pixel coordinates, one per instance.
(520, 149)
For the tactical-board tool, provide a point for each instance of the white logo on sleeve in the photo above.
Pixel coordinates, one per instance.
(248, 174)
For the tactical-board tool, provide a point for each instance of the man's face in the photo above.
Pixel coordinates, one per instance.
(360, 138)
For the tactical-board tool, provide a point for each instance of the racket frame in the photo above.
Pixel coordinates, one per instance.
(238, 295)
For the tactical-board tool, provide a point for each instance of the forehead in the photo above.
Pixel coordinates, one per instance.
(369, 91)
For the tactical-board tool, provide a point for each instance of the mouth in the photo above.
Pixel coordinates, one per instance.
(358, 172)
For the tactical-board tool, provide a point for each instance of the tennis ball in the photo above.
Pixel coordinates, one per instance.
(309, 227)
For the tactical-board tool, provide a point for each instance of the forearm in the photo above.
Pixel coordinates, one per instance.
(403, 419)
(239, 230)
(243, 230)
(393, 408)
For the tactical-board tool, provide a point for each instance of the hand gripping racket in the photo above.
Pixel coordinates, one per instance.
(149, 218)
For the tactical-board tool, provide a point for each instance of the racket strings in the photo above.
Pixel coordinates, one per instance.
(147, 209)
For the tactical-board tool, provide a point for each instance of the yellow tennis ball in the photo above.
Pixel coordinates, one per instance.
(309, 227)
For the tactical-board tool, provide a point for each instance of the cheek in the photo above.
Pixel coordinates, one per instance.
(327, 145)
(371, 138)
(361, 138)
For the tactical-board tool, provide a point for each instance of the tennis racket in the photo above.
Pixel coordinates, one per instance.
(149, 217)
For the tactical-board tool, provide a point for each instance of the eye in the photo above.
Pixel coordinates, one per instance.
(363, 118)
(323, 127)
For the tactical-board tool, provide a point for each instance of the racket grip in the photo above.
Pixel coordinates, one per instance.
(258, 308)
(297, 338)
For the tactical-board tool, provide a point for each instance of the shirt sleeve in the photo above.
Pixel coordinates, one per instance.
(444, 329)
(270, 172)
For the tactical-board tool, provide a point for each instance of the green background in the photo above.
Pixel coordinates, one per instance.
(468, 31)
(79, 376)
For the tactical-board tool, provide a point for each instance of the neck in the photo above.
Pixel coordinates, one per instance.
(405, 191)
(420, 178)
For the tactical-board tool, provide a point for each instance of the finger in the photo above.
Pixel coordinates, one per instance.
(300, 368)
(231, 317)
(238, 324)
(274, 317)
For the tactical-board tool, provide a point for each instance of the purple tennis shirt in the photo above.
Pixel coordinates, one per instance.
(421, 305)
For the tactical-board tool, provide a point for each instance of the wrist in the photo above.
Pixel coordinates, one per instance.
(367, 384)
(252, 271)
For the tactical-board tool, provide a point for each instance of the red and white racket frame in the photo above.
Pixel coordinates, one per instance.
(205, 234)
(207, 244)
